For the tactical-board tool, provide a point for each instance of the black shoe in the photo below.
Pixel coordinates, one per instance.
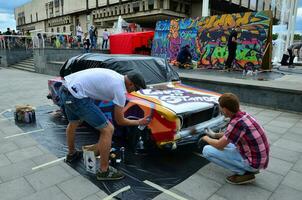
(74, 157)
(110, 175)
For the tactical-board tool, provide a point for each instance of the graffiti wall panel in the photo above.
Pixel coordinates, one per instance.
(208, 36)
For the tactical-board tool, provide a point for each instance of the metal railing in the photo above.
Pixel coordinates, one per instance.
(47, 40)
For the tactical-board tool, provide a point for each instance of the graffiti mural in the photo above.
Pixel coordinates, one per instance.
(208, 36)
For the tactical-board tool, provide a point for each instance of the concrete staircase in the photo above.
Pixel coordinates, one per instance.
(26, 65)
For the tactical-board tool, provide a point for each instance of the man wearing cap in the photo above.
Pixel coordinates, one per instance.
(78, 93)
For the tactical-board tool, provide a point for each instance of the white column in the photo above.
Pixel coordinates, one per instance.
(294, 21)
(205, 8)
(290, 23)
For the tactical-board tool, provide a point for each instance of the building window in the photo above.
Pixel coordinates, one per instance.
(58, 29)
(31, 18)
(52, 30)
(37, 19)
(64, 29)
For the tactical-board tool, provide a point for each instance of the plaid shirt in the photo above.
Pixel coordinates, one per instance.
(249, 138)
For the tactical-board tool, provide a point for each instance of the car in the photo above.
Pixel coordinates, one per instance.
(175, 109)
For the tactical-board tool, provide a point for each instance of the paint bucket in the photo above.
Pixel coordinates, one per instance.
(25, 114)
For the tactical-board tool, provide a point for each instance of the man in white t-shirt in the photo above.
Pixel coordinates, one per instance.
(79, 33)
(78, 94)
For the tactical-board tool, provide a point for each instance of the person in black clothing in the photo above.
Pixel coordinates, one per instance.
(86, 43)
(184, 57)
(232, 46)
(296, 46)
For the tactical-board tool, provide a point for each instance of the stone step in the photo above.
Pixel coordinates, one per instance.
(24, 65)
(29, 69)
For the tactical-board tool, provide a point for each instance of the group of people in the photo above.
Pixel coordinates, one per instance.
(89, 41)
(243, 148)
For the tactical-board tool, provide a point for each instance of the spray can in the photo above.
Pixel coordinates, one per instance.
(122, 151)
(142, 127)
(26, 117)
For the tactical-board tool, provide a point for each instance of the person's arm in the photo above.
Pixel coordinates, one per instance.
(217, 143)
(122, 121)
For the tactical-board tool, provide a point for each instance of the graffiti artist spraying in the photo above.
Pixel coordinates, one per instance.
(232, 46)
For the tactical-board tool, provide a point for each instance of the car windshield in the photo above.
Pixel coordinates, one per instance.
(154, 70)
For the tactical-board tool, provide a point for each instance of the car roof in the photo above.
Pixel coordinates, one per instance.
(154, 70)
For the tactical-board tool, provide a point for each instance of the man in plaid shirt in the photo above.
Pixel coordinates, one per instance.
(243, 148)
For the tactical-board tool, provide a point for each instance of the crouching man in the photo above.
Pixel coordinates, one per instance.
(243, 148)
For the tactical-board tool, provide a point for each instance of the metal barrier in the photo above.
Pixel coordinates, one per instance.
(16, 42)
(47, 40)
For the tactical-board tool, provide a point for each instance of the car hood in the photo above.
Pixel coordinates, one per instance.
(178, 97)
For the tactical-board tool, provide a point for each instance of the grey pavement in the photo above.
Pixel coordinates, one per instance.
(20, 155)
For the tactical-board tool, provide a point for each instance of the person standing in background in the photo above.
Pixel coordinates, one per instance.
(105, 39)
(79, 33)
(232, 46)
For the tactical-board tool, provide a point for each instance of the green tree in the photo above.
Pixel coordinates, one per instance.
(297, 37)
(275, 36)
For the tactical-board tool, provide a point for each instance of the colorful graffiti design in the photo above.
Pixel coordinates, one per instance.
(207, 37)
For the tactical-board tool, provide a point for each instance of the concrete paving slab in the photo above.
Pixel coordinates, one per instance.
(48, 177)
(15, 189)
(215, 173)
(70, 170)
(298, 166)
(101, 194)
(293, 179)
(4, 160)
(284, 154)
(6, 147)
(263, 120)
(285, 192)
(78, 188)
(16, 170)
(293, 137)
(276, 130)
(246, 192)
(290, 145)
(216, 197)
(272, 137)
(290, 115)
(51, 193)
(296, 129)
(23, 154)
(92, 197)
(281, 124)
(45, 158)
(267, 180)
(270, 113)
(164, 196)
(279, 166)
(198, 187)
(25, 141)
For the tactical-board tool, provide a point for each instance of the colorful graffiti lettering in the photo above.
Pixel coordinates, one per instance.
(207, 38)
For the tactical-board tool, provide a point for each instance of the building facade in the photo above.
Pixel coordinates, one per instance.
(59, 16)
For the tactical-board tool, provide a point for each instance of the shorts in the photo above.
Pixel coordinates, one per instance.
(79, 38)
(82, 109)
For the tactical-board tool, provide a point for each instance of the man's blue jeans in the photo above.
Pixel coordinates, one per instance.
(229, 158)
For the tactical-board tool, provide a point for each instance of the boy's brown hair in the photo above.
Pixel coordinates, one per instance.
(229, 101)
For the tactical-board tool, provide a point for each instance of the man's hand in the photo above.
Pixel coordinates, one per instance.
(144, 121)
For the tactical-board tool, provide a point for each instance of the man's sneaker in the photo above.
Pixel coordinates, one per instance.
(109, 175)
(240, 179)
(70, 158)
